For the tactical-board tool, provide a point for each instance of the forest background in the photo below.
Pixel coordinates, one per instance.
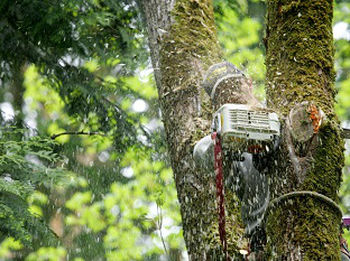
(103, 190)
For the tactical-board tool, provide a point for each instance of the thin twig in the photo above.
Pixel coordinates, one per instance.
(160, 224)
(89, 133)
(120, 111)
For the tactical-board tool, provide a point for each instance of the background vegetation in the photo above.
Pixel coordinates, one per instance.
(83, 66)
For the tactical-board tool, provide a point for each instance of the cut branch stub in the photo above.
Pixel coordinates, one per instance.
(302, 126)
(225, 83)
(305, 120)
(345, 133)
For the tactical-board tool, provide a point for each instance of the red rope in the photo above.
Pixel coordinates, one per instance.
(220, 189)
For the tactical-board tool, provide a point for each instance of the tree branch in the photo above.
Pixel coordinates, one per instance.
(345, 133)
(89, 133)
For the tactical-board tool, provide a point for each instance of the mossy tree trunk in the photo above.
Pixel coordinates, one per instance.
(183, 43)
(300, 78)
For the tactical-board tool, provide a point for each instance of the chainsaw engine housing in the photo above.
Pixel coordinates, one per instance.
(243, 129)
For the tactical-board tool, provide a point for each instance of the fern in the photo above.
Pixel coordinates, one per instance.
(25, 164)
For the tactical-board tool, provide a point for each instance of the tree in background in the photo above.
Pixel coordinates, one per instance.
(77, 61)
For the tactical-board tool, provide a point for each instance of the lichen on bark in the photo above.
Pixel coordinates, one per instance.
(299, 61)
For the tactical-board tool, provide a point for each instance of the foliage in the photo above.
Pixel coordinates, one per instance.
(47, 253)
(342, 37)
(342, 62)
(8, 245)
(84, 66)
(26, 164)
(81, 47)
(127, 213)
(244, 48)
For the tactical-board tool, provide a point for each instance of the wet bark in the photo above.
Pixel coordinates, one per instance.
(299, 62)
(183, 45)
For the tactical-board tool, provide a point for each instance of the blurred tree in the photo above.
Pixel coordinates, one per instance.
(92, 54)
(69, 41)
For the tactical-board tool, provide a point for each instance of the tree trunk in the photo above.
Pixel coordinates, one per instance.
(303, 225)
(299, 60)
(183, 43)
(17, 90)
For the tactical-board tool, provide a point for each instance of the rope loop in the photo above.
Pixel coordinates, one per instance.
(277, 201)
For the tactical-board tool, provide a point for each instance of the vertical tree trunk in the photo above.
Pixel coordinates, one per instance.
(17, 90)
(300, 76)
(183, 45)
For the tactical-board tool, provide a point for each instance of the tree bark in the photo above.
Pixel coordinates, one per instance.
(183, 44)
(299, 60)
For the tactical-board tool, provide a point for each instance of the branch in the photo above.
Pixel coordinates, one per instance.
(159, 224)
(89, 133)
(345, 133)
(122, 113)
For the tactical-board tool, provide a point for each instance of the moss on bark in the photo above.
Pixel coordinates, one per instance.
(188, 48)
(299, 62)
(325, 174)
(300, 51)
(297, 221)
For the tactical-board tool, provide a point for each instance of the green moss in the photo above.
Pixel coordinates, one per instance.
(234, 231)
(188, 48)
(300, 51)
(299, 61)
(305, 222)
(325, 174)
(234, 225)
